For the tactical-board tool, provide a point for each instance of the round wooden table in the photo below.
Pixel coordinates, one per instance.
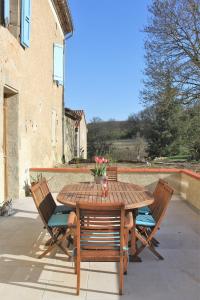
(133, 196)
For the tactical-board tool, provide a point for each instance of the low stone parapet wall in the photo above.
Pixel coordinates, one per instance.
(190, 188)
(185, 183)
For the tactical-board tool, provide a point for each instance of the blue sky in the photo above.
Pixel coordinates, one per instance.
(105, 57)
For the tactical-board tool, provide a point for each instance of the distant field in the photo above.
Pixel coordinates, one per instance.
(128, 149)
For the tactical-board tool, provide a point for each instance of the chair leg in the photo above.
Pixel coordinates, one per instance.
(155, 242)
(49, 249)
(140, 249)
(78, 277)
(75, 266)
(125, 264)
(48, 242)
(63, 249)
(121, 275)
(153, 250)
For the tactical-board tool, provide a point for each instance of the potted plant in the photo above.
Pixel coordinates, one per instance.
(36, 179)
(99, 172)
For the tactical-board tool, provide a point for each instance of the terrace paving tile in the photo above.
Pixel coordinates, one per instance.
(24, 276)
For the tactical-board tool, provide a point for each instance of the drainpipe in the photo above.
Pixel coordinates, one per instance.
(63, 99)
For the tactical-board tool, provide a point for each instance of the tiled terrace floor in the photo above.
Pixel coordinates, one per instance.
(24, 277)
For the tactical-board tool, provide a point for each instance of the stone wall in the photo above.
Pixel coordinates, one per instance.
(69, 139)
(190, 189)
(185, 183)
(59, 177)
(83, 138)
(29, 73)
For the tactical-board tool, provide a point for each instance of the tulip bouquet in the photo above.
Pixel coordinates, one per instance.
(100, 166)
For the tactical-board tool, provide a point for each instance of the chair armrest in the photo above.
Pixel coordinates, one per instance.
(129, 221)
(71, 219)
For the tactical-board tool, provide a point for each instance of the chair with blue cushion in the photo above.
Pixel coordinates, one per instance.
(54, 221)
(147, 225)
(58, 209)
(102, 235)
(146, 210)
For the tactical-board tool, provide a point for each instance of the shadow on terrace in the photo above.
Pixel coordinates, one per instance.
(23, 276)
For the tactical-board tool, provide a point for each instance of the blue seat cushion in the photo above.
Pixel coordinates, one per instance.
(58, 220)
(62, 209)
(145, 220)
(144, 210)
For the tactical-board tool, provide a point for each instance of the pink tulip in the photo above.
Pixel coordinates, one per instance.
(100, 160)
(96, 159)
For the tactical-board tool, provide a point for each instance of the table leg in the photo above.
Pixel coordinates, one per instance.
(133, 257)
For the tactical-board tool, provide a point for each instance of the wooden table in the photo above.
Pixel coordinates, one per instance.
(133, 196)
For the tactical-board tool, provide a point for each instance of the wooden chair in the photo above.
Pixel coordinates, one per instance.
(102, 235)
(148, 224)
(111, 173)
(58, 209)
(147, 209)
(55, 223)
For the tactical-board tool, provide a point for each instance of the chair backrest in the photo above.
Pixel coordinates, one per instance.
(111, 173)
(43, 200)
(163, 194)
(100, 227)
(157, 193)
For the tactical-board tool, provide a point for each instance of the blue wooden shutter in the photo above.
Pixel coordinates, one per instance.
(58, 64)
(6, 12)
(25, 22)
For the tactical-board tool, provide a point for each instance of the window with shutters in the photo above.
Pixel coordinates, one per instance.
(10, 16)
(1, 13)
(5, 7)
(58, 64)
(14, 25)
(25, 22)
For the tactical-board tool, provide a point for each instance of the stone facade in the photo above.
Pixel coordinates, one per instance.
(69, 137)
(82, 137)
(75, 128)
(31, 102)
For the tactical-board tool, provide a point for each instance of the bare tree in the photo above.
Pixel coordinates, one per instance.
(173, 43)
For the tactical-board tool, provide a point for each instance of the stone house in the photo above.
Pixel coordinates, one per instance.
(32, 37)
(75, 134)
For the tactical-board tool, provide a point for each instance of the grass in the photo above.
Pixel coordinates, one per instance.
(179, 157)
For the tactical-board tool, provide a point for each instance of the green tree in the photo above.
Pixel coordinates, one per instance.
(193, 132)
(165, 128)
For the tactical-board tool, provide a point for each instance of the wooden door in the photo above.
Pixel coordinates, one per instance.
(10, 144)
(5, 149)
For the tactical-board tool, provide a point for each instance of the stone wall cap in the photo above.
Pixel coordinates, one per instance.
(120, 170)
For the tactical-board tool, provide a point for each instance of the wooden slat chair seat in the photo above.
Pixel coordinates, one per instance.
(148, 225)
(102, 235)
(55, 223)
(111, 173)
